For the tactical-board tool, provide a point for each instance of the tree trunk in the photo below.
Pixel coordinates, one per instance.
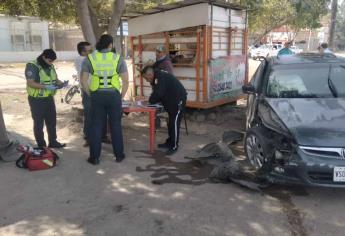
(95, 24)
(332, 26)
(4, 140)
(118, 9)
(85, 20)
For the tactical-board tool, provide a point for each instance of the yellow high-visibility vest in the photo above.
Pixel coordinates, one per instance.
(45, 79)
(105, 74)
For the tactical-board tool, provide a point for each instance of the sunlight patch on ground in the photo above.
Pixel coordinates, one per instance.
(40, 226)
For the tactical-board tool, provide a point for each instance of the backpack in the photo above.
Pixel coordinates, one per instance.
(36, 158)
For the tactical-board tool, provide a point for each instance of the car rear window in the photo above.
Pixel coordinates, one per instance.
(322, 81)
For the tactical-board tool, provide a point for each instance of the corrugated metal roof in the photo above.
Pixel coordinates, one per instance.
(181, 4)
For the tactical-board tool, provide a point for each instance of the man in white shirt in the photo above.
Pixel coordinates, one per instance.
(84, 49)
(324, 48)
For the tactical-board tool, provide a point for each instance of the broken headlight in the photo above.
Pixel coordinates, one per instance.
(271, 120)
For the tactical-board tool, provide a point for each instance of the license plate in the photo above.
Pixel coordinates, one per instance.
(339, 174)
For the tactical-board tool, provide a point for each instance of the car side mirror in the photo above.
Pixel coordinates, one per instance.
(248, 89)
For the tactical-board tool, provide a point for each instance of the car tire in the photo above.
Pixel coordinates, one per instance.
(258, 149)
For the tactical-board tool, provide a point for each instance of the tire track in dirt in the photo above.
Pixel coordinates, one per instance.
(294, 216)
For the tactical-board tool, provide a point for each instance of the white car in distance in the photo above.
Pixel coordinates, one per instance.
(260, 52)
(296, 49)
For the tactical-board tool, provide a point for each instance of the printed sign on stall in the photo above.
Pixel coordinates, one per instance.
(227, 77)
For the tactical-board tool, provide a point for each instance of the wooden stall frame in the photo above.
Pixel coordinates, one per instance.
(200, 52)
(140, 46)
(167, 43)
(205, 64)
(246, 54)
(229, 41)
(204, 39)
(197, 66)
(133, 68)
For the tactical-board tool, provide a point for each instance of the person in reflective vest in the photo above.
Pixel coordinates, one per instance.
(42, 83)
(107, 70)
(84, 48)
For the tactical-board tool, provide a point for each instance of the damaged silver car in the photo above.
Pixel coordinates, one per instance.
(296, 120)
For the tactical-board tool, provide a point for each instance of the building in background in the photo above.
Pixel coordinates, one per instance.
(23, 38)
(279, 35)
(23, 33)
(306, 39)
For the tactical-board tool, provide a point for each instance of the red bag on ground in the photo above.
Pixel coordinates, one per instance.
(36, 158)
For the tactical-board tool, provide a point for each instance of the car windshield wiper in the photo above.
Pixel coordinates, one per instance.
(330, 83)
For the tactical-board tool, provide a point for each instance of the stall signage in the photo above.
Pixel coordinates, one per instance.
(227, 77)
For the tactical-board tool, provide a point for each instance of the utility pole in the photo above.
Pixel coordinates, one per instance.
(332, 25)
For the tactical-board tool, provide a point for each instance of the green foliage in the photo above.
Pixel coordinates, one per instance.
(266, 15)
(52, 10)
(308, 13)
(65, 11)
(139, 5)
(103, 8)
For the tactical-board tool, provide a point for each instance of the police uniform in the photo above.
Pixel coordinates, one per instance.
(169, 91)
(41, 101)
(105, 68)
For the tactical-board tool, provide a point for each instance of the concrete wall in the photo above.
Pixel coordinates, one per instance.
(5, 36)
(25, 27)
(6, 57)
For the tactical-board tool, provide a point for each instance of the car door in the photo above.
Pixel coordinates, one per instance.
(253, 98)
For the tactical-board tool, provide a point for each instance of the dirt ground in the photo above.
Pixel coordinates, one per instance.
(145, 194)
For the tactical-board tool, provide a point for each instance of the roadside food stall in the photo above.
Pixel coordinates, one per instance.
(206, 42)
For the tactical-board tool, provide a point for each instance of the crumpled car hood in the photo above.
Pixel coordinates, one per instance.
(318, 122)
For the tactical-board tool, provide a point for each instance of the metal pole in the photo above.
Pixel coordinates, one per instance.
(121, 37)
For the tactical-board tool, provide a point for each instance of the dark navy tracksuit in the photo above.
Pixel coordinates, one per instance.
(169, 91)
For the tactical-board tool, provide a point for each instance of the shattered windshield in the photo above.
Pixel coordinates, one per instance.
(308, 82)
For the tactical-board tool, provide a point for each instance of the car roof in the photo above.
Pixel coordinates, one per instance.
(306, 58)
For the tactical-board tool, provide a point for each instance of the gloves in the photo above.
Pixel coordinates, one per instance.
(63, 85)
(50, 87)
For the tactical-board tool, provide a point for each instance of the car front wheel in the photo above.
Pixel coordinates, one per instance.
(257, 148)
